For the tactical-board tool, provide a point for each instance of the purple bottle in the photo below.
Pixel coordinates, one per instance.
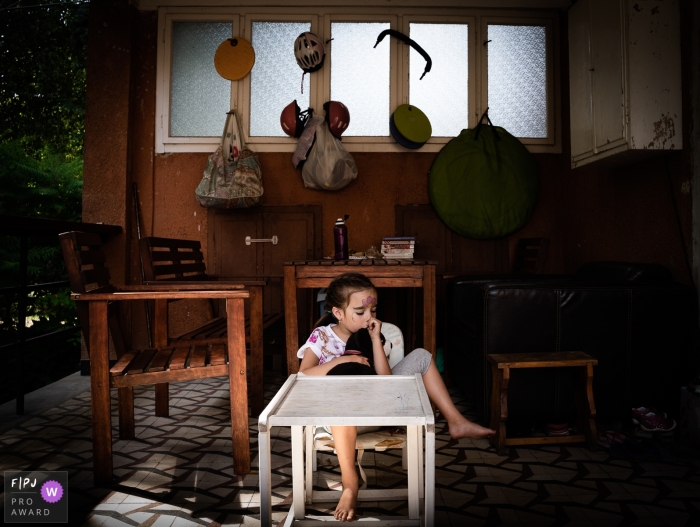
(340, 236)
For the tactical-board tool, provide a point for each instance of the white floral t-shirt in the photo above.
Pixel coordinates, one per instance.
(325, 344)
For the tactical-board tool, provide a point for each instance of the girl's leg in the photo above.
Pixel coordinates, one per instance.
(421, 361)
(344, 438)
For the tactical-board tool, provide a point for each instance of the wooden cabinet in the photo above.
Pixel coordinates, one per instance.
(298, 233)
(624, 79)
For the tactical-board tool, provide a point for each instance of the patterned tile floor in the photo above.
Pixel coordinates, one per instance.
(177, 473)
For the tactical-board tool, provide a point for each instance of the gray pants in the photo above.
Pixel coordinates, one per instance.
(418, 361)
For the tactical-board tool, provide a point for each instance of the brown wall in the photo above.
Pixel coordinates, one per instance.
(166, 182)
(589, 213)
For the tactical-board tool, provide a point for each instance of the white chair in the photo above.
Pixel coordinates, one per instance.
(318, 439)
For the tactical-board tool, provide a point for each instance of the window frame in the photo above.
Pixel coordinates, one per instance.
(321, 19)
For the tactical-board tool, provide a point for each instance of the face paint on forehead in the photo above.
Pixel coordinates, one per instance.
(369, 301)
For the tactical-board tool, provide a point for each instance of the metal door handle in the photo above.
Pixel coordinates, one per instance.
(249, 240)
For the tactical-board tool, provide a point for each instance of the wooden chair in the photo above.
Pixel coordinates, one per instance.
(95, 296)
(530, 255)
(179, 264)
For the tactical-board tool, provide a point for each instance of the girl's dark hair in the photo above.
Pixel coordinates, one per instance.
(339, 291)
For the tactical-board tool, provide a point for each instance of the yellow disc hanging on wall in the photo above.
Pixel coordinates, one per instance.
(234, 58)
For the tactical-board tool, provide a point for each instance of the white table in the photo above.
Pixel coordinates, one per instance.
(387, 400)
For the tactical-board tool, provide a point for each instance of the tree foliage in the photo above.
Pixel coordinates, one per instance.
(43, 55)
(49, 187)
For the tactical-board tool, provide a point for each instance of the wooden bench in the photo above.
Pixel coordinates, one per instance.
(585, 405)
(179, 264)
(89, 277)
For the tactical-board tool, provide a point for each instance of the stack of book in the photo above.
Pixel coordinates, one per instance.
(398, 246)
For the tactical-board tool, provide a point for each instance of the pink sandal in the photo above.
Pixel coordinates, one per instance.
(650, 421)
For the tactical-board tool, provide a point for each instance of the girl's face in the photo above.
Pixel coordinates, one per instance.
(362, 306)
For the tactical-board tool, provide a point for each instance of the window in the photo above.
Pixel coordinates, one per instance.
(480, 59)
(517, 79)
(443, 93)
(194, 81)
(360, 76)
(275, 79)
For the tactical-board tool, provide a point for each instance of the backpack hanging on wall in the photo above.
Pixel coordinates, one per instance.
(484, 184)
(232, 177)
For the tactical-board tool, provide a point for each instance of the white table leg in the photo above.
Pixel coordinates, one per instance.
(421, 495)
(310, 459)
(298, 472)
(264, 468)
(429, 478)
(413, 482)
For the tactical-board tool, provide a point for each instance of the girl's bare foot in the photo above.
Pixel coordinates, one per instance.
(464, 428)
(345, 511)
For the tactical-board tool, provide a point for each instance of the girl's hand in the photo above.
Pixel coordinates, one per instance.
(374, 327)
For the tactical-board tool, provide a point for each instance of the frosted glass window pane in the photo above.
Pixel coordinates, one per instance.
(443, 93)
(517, 83)
(199, 96)
(276, 78)
(360, 76)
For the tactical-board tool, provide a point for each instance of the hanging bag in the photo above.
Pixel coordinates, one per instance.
(232, 177)
(484, 183)
(329, 166)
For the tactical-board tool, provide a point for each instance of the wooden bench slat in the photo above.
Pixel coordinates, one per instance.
(168, 243)
(218, 355)
(141, 361)
(167, 256)
(161, 360)
(180, 268)
(198, 357)
(179, 358)
(122, 363)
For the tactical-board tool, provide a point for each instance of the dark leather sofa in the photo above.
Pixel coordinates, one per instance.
(634, 318)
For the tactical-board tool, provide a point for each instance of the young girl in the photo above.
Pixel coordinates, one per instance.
(352, 299)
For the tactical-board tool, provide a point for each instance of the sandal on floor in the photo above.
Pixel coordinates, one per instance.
(652, 422)
(642, 411)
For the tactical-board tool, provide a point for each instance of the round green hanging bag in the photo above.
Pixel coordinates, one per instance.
(484, 184)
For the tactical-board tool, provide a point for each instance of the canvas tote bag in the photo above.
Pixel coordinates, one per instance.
(232, 177)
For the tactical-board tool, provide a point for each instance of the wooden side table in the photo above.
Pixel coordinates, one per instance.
(585, 406)
(383, 273)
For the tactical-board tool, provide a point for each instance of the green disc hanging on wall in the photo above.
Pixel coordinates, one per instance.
(484, 184)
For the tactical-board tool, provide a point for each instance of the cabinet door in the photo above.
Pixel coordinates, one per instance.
(580, 79)
(607, 74)
(298, 233)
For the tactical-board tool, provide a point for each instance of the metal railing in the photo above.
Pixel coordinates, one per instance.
(24, 228)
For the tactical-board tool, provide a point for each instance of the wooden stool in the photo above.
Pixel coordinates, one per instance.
(585, 406)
